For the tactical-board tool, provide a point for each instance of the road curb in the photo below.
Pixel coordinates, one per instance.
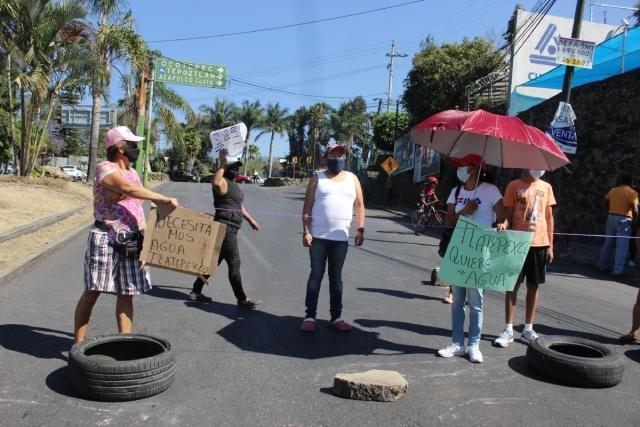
(13, 272)
(35, 226)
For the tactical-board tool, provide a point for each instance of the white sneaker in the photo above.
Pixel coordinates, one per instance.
(504, 339)
(451, 350)
(475, 355)
(528, 335)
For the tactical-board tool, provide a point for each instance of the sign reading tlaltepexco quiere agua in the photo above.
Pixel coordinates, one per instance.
(182, 240)
(190, 73)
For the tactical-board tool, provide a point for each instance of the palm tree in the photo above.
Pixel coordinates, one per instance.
(221, 115)
(349, 124)
(109, 40)
(319, 124)
(250, 113)
(274, 122)
(166, 102)
(48, 55)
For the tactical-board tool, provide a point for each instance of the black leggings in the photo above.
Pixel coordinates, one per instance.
(230, 253)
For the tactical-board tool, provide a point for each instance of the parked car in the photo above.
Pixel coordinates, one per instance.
(206, 178)
(74, 172)
(183, 176)
(242, 179)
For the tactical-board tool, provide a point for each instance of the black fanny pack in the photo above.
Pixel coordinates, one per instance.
(126, 243)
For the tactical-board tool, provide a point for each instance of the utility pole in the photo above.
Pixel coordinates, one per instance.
(575, 34)
(392, 55)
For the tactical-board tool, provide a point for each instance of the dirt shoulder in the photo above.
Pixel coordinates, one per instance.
(24, 201)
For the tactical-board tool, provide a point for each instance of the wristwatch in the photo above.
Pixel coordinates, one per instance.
(360, 229)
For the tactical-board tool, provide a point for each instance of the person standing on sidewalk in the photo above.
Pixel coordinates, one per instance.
(528, 204)
(117, 203)
(227, 199)
(326, 218)
(621, 203)
(482, 203)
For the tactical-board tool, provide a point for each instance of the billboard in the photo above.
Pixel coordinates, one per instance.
(535, 54)
(427, 163)
(403, 153)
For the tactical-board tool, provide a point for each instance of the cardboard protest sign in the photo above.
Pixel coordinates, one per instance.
(231, 139)
(478, 257)
(182, 240)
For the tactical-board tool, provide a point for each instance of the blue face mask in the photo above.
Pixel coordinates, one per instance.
(335, 165)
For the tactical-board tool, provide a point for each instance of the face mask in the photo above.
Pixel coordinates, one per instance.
(131, 153)
(536, 173)
(463, 174)
(335, 165)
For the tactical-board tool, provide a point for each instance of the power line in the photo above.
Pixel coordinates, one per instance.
(288, 92)
(280, 27)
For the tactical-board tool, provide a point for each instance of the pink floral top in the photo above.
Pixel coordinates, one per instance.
(117, 210)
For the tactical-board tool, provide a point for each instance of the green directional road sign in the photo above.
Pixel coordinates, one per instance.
(190, 73)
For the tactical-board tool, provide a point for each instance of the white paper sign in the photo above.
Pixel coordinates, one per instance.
(574, 52)
(563, 129)
(232, 139)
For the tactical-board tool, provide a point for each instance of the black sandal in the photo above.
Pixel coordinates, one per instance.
(248, 304)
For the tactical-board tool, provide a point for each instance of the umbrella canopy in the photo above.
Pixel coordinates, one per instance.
(503, 141)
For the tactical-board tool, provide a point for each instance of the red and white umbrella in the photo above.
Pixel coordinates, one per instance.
(503, 141)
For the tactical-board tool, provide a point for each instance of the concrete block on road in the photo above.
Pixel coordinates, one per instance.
(377, 385)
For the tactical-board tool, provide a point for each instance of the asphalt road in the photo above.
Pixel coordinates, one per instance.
(256, 368)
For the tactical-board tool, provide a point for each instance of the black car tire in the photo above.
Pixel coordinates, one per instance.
(575, 361)
(121, 367)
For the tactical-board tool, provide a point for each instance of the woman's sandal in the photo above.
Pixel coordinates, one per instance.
(340, 325)
(248, 304)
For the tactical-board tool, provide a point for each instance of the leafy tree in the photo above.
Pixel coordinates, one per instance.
(440, 74)
(296, 131)
(274, 122)
(48, 55)
(387, 127)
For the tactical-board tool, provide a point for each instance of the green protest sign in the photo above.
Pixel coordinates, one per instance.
(478, 257)
(190, 73)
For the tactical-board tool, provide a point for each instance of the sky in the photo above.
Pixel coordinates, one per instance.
(327, 60)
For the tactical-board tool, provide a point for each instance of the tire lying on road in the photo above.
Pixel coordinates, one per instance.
(121, 367)
(575, 361)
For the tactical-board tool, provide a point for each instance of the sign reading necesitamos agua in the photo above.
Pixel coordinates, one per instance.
(190, 73)
(478, 257)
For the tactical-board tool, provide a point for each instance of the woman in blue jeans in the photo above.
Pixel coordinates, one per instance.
(326, 218)
(482, 203)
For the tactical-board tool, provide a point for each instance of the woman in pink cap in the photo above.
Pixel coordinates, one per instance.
(111, 262)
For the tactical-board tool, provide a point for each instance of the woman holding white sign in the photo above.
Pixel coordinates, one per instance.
(481, 202)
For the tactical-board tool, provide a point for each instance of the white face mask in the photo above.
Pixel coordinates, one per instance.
(536, 173)
(463, 174)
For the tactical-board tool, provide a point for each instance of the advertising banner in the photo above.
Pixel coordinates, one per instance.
(535, 52)
(563, 129)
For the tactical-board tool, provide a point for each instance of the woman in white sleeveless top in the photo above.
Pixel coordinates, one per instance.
(326, 218)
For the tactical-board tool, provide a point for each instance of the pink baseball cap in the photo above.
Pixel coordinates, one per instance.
(118, 134)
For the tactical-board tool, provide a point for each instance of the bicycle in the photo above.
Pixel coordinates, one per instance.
(427, 216)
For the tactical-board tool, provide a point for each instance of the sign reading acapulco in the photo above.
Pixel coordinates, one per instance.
(183, 240)
(190, 73)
